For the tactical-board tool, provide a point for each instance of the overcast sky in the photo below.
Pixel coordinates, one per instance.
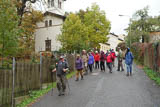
(115, 7)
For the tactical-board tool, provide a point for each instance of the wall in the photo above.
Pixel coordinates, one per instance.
(42, 33)
(104, 47)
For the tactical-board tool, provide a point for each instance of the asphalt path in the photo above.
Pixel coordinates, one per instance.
(103, 89)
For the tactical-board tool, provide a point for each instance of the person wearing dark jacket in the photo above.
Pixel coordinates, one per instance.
(129, 60)
(102, 61)
(79, 67)
(61, 69)
(120, 60)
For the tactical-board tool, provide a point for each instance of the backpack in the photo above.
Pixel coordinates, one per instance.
(102, 57)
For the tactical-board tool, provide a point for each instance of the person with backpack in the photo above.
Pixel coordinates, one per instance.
(109, 62)
(97, 59)
(61, 69)
(120, 60)
(129, 60)
(85, 62)
(79, 67)
(102, 61)
(90, 62)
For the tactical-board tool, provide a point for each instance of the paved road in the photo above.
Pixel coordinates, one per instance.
(107, 90)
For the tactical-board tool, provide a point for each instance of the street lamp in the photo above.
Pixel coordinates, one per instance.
(129, 27)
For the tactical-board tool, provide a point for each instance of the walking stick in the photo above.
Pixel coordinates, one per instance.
(52, 79)
(68, 85)
(52, 83)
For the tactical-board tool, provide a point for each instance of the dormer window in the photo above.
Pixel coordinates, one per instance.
(59, 4)
(49, 3)
(52, 3)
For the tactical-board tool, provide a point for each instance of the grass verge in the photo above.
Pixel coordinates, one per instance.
(153, 75)
(34, 95)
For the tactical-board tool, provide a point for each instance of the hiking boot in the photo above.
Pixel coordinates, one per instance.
(127, 74)
(63, 93)
(130, 73)
(122, 69)
(77, 79)
(81, 77)
(59, 94)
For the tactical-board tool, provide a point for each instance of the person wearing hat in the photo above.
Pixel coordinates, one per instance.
(120, 60)
(102, 61)
(85, 62)
(129, 60)
(79, 67)
(61, 69)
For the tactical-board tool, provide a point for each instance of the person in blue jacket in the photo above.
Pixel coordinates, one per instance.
(90, 62)
(129, 60)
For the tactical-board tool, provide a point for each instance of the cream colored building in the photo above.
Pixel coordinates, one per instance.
(48, 30)
(112, 43)
(104, 47)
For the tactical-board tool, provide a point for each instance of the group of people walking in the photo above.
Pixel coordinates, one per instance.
(86, 62)
(95, 60)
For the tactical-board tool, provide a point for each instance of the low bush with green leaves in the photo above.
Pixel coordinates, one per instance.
(153, 75)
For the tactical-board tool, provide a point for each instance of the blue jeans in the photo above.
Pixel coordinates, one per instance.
(129, 68)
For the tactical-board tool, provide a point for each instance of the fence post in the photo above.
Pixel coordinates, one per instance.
(13, 81)
(40, 70)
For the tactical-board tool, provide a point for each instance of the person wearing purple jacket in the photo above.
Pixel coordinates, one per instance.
(79, 67)
(90, 62)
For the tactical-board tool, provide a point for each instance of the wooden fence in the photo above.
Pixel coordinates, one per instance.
(152, 56)
(27, 77)
(5, 88)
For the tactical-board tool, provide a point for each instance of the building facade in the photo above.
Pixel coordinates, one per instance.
(48, 30)
(112, 43)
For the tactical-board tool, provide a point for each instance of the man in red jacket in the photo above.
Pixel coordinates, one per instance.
(97, 59)
(109, 62)
(113, 56)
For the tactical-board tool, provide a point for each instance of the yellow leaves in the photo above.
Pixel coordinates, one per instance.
(29, 26)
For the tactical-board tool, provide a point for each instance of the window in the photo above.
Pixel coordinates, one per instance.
(59, 4)
(52, 3)
(48, 45)
(50, 22)
(46, 23)
(49, 3)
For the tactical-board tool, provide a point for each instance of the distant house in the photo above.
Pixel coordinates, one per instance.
(104, 47)
(154, 36)
(112, 43)
(48, 30)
